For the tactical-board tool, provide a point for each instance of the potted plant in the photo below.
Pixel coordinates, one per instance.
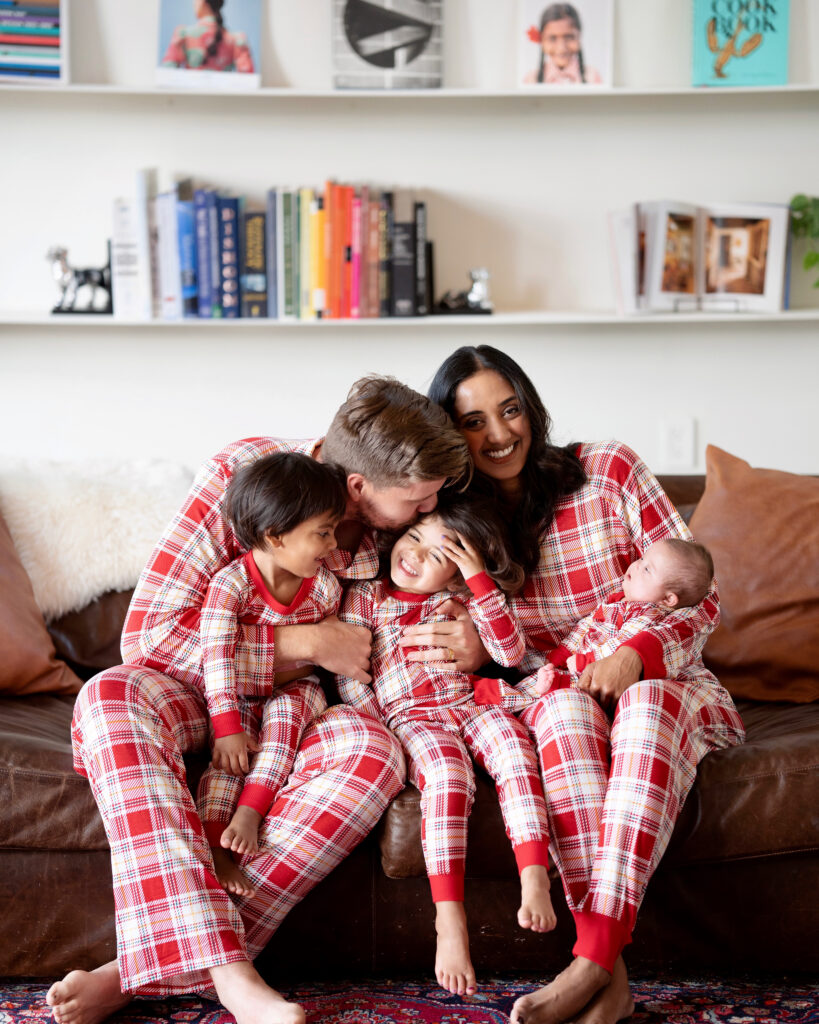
(805, 224)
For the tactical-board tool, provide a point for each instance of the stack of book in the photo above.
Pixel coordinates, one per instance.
(32, 44)
(341, 252)
(676, 257)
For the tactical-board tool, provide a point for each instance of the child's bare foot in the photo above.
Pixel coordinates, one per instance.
(453, 967)
(84, 997)
(243, 993)
(571, 990)
(231, 877)
(545, 678)
(612, 1003)
(536, 911)
(242, 834)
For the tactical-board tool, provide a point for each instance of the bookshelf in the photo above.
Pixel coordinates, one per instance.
(517, 181)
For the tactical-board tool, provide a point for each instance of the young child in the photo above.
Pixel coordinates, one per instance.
(561, 59)
(283, 509)
(671, 574)
(441, 715)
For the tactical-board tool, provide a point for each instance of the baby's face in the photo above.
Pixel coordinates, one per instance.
(417, 564)
(646, 580)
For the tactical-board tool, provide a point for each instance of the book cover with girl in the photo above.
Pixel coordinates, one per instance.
(209, 44)
(565, 44)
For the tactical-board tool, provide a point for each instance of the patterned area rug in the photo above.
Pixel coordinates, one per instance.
(704, 1001)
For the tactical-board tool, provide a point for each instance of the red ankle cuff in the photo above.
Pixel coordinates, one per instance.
(600, 938)
(447, 888)
(532, 853)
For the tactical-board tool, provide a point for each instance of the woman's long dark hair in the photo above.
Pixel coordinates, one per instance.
(550, 471)
(216, 10)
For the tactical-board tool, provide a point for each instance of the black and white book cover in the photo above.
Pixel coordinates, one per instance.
(387, 44)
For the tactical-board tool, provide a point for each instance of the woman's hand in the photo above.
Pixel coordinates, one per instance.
(230, 753)
(455, 642)
(608, 679)
(463, 554)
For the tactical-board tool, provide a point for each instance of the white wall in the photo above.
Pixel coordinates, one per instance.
(522, 185)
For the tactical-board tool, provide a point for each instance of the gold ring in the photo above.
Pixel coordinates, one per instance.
(451, 654)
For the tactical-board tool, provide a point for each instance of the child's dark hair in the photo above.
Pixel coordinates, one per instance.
(558, 12)
(278, 492)
(693, 571)
(477, 521)
(216, 11)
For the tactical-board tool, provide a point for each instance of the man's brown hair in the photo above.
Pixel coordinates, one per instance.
(392, 435)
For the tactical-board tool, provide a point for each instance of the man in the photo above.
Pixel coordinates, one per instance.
(177, 929)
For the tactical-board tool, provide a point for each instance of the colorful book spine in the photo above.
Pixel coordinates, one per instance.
(254, 265)
(364, 267)
(332, 252)
(318, 262)
(187, 257)
(272, 252)
(420, 213)
(203, 256)
(212, 204)
(355, 285)
(385, 255)
(290, 253)
(229, 256)
(373, 258)
(306, 310)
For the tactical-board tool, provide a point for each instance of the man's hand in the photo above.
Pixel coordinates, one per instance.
(343, 648)
(455, 642)
(606, 680)
(230, 753)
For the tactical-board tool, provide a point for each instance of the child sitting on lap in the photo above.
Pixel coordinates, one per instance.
(284, 509)
(441, 715)
(672, 574)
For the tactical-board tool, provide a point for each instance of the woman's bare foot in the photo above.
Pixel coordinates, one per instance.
(84, 997)
(569, 993)
(231, 877)
(453, 967)
(536, 911)
(243, 993)
(242, 834)
(612, 1003)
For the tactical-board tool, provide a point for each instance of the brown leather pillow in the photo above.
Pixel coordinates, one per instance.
(27, 659)
(762, 528)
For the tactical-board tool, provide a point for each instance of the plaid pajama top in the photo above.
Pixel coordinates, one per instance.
(402, 690)
(608, 627)
(237, 627)
(162, 626)
(596, 533)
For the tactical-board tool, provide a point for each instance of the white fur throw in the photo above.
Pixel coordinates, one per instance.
(81, 529)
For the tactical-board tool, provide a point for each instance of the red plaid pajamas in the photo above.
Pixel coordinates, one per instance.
(434, 713)
(132, 726)
(614, 789)
(237, 627)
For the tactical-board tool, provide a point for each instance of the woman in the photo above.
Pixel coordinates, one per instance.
(208, 45)
(614, 785)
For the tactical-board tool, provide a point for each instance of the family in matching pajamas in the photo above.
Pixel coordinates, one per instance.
(615, 760)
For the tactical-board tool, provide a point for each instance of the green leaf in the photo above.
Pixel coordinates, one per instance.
(810, 260)
(799, 202)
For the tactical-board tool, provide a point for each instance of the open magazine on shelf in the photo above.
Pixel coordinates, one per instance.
(671, 256)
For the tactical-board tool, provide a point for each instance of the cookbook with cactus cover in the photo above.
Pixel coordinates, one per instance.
(741, 42)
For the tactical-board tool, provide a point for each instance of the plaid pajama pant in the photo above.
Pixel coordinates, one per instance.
(278, 724)
(614, 790)
(131, 728)
(438, 763)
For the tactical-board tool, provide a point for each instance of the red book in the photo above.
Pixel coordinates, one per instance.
(346, 245)
(25, 40)
(332, 276)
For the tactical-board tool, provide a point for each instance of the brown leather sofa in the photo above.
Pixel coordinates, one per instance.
(737, 890)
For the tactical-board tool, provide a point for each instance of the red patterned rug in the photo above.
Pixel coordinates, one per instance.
(701, 1001)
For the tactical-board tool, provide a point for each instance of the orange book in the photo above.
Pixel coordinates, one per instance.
(346, 247)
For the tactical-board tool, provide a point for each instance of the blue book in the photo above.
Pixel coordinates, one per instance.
(203, 260)
(212, 204)
(733, 46)
(228, 210)
(272, 255)
(187, 256)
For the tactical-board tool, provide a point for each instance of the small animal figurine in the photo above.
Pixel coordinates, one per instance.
(70, 279)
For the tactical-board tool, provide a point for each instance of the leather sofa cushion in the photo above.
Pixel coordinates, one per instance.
(759, 799)
(89, 639)
(27, 659)
(760, 526)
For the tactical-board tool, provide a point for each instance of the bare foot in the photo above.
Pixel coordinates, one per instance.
(545, 678)
(84, 997)
(231, 877)
(571, 990)
(612, 1003)
(242, 834)
(536, 911)
(453, 967)
(243, 993)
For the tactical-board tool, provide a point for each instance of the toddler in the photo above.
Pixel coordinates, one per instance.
(442, 715)
(283, 509)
